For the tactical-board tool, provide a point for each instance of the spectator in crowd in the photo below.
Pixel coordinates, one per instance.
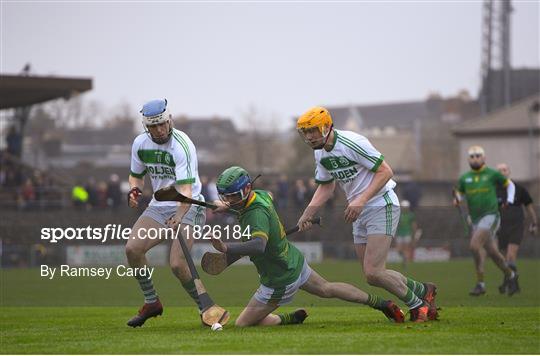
(282, 192)
(14, 142)
(10, 174)
(101, 194)
(91, 188)
(79, 196)
(28, 193)
(114, 194)
(300, 193)
(413, 193)
(3, 168)
(39, 185)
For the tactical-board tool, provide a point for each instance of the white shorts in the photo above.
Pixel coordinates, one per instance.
(490, 222)
(281, 296)
(376, 220)
(196, 215)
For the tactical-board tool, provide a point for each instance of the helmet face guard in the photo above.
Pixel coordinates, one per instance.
(233, 199)
(318, 142)
(235, 193)
(155, 113)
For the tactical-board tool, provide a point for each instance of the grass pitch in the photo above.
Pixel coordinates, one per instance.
(88, 315)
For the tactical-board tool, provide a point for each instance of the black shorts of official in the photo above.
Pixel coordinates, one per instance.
(510, 234)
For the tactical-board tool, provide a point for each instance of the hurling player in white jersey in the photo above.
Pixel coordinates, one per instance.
(168, 157)
(373, 208)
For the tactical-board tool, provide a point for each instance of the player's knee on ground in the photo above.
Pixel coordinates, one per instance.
(242, 323)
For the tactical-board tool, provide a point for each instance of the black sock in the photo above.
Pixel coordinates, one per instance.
(296, 317)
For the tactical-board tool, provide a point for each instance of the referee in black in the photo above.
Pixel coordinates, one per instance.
(513, 220)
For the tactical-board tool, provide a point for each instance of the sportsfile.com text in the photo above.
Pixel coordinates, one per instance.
(113, 232)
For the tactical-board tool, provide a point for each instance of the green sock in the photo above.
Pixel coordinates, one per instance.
(375, 301)
(411, 300)
(418, 288)
(192, 291)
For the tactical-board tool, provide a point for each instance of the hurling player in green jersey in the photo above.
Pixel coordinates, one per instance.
(406, 233)
(281, 266)
(478, 188)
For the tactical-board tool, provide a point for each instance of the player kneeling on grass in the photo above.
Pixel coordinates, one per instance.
(407, 233)
(281, 266)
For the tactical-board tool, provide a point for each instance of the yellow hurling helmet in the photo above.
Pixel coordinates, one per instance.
(316, 117)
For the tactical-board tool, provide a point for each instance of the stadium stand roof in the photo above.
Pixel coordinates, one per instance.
(24, 90)
(511, 120)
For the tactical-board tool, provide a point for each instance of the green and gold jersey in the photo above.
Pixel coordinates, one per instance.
(479, 187)
(406, 219)
(281, 262)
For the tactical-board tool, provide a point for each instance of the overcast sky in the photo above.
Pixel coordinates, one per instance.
(219, 58)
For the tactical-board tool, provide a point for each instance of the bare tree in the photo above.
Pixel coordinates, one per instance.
(266, 150)
(75, 112)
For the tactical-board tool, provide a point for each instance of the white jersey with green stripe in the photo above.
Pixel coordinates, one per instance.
(352, 162)
(174, 162)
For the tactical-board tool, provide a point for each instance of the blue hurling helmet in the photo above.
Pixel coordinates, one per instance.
(155, 112)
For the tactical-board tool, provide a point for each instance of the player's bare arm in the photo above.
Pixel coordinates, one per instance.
(383, 174)
(322, 194)
(457, 198)
(533, 228)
